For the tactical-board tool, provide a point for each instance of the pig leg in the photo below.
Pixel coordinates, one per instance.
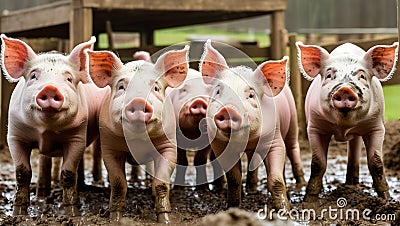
(274, 164)
(319, 144)
(293, 153)
(55, 169)
(252, 176)
(353, 160)
(219, 178)
(200, 161)
(97, 167)
(373, 144)
(234, 179)
(43, 188)
(115, 164)
(21, 153)
(181, 168)
(135, 172)
(164, 166)
(72, 155)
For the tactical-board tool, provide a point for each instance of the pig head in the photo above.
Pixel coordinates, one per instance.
(345, 100)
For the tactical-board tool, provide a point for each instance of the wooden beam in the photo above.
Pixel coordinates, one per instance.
(81, 23)
(277, 28)
(296, 86)
(193, 5)
(146, 38)
(6, 90)
(110, 37)
(37, 17)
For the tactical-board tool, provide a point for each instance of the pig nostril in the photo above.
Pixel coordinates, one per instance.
(221, 118)
(234, 119)
(351, 99)
(44, 97)
(56, 98)
(338, 98)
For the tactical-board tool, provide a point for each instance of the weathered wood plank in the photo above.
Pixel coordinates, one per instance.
(81, 23)
(296, 80)
(193, 5)
(42, 16)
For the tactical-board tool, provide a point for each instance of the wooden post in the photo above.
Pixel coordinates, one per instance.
(109, 35)
(81, 23)
(146, 38)
(6, 90)
(296, 86)
(277, 27)
(398, 32)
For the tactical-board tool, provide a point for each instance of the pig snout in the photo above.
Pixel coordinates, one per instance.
(344, 99)
(227, 119)
(198, 107)
(50, 98)
(139, 110)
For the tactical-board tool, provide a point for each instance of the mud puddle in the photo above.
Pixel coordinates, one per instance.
(190, 205)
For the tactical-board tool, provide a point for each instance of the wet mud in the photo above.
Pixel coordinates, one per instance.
(349, 204)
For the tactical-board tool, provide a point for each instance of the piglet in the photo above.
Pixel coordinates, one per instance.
(133, 125)
(52, 108)
(190, 102)
(345, 100)
(251, 112)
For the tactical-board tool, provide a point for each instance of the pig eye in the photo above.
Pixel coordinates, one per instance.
(33, 75)
(362, 76)
(252, 94)
(156, 88)
(69, 79)
(121, 85)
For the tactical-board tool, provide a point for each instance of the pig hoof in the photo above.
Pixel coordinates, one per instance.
(20, 210)
(311, 198)
(163, 218)
(43, 192)
(115, 215)
(300, 181)
(72, 211)
(251, 189)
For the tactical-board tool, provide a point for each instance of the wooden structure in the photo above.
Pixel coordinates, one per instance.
(78, 20)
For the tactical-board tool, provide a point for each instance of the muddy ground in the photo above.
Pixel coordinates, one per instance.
(191, 205)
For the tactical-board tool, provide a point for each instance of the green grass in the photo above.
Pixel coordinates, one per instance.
(392, 102)
(175, 35)
(170, 36)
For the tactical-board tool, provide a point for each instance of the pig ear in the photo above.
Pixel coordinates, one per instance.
(211, 62)
(14, 56)
(142, 55)
(383, 60)
(174, 65)
(100, 65)
(310, 58)
(274, 75)
(78, 57)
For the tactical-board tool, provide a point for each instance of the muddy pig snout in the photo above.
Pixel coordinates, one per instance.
(198, 107)
(138, 110)
(50, 98)
(227, 119)
(344, 98)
